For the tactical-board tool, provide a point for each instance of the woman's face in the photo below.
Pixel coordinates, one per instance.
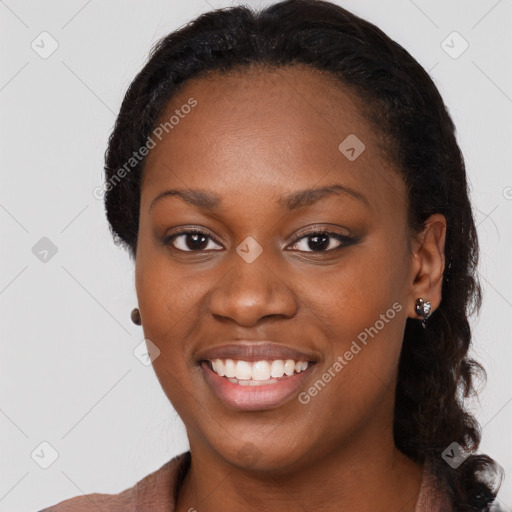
(259, 160)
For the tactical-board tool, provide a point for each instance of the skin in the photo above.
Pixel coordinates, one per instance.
(254, 136)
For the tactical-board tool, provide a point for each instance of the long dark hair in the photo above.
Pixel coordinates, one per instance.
(404, 106)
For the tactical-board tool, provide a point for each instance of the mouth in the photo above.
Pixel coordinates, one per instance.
(258, 373)
(255, 377)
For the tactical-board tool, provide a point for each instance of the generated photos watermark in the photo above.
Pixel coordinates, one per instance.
(139, 155)
(342, 360)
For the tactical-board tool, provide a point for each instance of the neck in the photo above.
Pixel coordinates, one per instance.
(360, 476)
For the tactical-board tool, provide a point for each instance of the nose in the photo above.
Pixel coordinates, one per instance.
(252, 291)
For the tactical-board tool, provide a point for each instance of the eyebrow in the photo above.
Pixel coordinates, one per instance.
(300, 199)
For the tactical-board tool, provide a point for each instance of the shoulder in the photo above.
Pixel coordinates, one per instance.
(434, 495)
(154, 492)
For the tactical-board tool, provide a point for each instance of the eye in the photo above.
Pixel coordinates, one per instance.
(322, 241)
(196, 240)
(192, 240)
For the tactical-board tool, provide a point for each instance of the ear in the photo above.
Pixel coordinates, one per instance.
(428, 262)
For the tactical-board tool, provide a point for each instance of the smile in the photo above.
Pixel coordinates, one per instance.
(258, 385)
(247, 373)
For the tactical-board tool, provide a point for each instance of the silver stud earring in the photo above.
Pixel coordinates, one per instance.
(135, 315)
(423, 309)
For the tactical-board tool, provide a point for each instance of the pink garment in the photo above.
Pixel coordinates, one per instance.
(154, 493)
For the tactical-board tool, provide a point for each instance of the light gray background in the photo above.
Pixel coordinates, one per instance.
(68, 373)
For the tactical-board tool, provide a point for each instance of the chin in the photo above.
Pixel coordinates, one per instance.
(262, 455)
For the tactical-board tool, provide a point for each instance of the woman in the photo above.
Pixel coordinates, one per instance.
(289, 186)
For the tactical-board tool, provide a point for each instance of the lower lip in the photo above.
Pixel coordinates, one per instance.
(258, 397)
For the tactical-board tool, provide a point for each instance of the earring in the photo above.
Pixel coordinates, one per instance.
(135, 315)
(424, 310)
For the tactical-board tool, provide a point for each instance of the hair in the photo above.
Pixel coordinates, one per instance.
(403, 106)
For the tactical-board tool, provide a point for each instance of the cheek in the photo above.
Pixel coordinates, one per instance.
(166, 295)
(354, 295)
(168, 310)
(364, 320)
(362, 307)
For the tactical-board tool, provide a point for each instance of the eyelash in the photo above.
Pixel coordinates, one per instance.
(344, 239)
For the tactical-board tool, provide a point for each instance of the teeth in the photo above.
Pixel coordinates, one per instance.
(220, 367)
(261, 370)
(243, 372)
(289, 367)
(301, 366)
(276, 368)
(230, 368)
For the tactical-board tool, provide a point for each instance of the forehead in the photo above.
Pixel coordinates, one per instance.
(266, 128)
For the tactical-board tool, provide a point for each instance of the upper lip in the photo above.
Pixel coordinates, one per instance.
(251, 351)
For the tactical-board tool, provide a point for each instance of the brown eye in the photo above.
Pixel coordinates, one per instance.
(190, 241)
(322, 241)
